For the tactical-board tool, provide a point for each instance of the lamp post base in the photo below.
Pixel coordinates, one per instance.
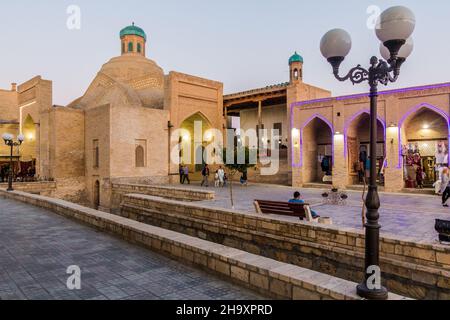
(377, 294)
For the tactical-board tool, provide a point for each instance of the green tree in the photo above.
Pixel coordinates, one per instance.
(238, 160)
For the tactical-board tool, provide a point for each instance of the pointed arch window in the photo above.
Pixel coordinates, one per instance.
(139, 48)
(130, 47)
(140, 154)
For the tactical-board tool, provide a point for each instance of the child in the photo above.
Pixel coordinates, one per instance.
(419, 177)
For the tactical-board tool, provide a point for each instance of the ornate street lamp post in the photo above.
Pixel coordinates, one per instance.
(394, 28)
(9, 141)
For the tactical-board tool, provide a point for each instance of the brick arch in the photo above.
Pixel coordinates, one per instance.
(29, 121)
(408, 114)
(195, 151)
(307, 122)
(202, 115)
(318, 116)
(353, 118)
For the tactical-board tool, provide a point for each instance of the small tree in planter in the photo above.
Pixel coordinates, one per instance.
(241, 161)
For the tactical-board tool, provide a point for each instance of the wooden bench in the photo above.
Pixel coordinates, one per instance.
(299, 210)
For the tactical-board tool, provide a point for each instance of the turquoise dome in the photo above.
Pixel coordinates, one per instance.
(296, 58)
(133, 31)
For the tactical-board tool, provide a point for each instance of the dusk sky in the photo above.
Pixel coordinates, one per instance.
(244, 44)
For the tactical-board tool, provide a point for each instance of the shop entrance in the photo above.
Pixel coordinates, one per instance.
(358, 150)
(425, 148)
(429, 164)
(317, 137)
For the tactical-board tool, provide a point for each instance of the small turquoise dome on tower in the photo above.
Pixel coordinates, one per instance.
(134, 31)
(296, 58)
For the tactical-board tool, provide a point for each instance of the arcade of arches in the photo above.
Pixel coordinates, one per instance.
(412, 144)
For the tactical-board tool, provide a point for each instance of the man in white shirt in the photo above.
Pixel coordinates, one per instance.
(221, 174)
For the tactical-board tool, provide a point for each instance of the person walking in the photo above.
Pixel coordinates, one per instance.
(186, 175)
(244, 178)
(181, 172)
(362, 165)
(221, 174)
(225, 179)
(205, 175)
(367, 168)
(445, 187)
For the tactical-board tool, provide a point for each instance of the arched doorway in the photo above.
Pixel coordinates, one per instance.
(28, 150)
(424, 134)
(96, 195)
(317, 150)
(193, 141)
(358, 148)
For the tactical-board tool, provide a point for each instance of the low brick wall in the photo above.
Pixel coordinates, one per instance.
(269, 277)
(416, 270)
(72, 190)
(121, 189)
(46, 188)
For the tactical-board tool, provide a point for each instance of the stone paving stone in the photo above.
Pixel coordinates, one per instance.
(11, 296)
(143, 296)
(186, 294)
(98, 298)
(64, 294)
(133, 290)
(37, 246)
(113, 293)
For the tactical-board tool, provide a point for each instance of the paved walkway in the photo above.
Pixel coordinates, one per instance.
(37, 246)
(409, 216)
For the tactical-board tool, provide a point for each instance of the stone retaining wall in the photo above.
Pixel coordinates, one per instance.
(417, 270)
(120, 189)
(46, 188)
(269, 277)
(72, 190)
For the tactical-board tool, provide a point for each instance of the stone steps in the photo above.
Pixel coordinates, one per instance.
(357, 187)
(280, 179)
(426, 191)
(325, 186)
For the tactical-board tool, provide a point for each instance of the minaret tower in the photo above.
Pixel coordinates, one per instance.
(133, 40)
(296, 68)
